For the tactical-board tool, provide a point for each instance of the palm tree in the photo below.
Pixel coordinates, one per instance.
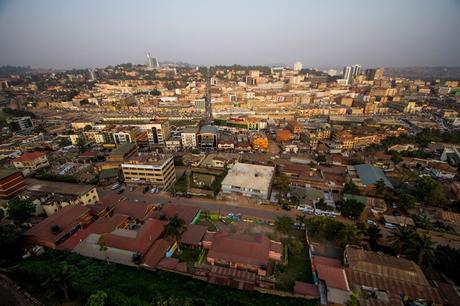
(401, 238)
(103, 247)
(174, 228)
(374, 234)
(349, 234)
(423, 221)
(422, 251)
(380, 186)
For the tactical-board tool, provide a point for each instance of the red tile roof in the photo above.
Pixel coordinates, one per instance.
(29, 156)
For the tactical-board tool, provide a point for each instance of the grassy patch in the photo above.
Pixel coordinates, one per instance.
(296, 266)
(130, 286)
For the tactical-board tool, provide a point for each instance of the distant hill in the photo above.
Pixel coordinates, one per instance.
(7, 70)
(425, 73)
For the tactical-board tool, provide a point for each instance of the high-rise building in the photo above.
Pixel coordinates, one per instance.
(92, 74)
(379, 73)
(370, 74)
(350, 72)
(298, 66)
(152, 62)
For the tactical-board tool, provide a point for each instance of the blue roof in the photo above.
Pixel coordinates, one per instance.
(369, 175)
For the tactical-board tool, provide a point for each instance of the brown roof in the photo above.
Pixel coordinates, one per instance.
(330, 271)
(149, 232)
(66, 219)
(193, 234)
(186, 213)
(240, 248)
(156, 252)
(306, 289)
(395, 275)
(133, 209)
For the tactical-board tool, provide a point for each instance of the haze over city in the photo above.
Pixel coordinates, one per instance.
(324, 34)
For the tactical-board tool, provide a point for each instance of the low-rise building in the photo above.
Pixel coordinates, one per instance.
(11, 183)
(249, 180)
(53, 196)
(31, 162)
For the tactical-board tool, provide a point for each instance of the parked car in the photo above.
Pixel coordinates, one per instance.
(286, 207)
(115, 186)
(371, 222)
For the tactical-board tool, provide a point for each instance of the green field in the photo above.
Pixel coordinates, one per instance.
(46, 276)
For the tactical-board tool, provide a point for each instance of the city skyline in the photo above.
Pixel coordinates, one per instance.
(51, 34)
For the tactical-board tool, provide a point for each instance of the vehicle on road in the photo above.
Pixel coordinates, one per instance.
(115, 186)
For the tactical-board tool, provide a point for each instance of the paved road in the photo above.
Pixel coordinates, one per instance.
(206, 204)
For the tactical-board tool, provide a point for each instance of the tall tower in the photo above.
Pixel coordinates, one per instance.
(350, 72)
(151, 62)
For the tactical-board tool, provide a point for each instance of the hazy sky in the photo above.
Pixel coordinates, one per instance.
(96, 33)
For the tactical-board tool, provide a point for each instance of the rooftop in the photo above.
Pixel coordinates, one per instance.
(250, 176)
(7, 172)
(29, 156)
(369, 175)
(43, 186)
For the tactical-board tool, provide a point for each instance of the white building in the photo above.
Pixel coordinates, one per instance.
(188, 138)
(249, 180)
(350, 72)
(298, 66)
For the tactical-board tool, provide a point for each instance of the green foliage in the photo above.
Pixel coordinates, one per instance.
(332, 230)
(380, 186)
(350, 188)
(406, 201)
(130, 286)
(20, 210)
(10, 243)
(284, 224)
(352, 208)
(281, 184)
(429, 191)
(353, 299)
(174, 228)
(419, 248)
(99, 298)
(448, 261)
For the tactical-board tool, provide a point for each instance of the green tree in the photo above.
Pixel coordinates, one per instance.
(374, 234)
(20, 210)
(103, 247)
(430, 191)
(281, 184)
(81, 143)
(99, 298)
(352, 208)
(10, 243)
(353, 299)
(284, 224)
(407, 201)
(350, 188)
(380, 186)
(349, 234)
(401, 238)
(422, 251)
(174, 228)
(61, 279)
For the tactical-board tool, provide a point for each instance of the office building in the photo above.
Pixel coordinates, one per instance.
(150, 169)
(350, 72)
(189, 138)
(152, 62)
(22, 125)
